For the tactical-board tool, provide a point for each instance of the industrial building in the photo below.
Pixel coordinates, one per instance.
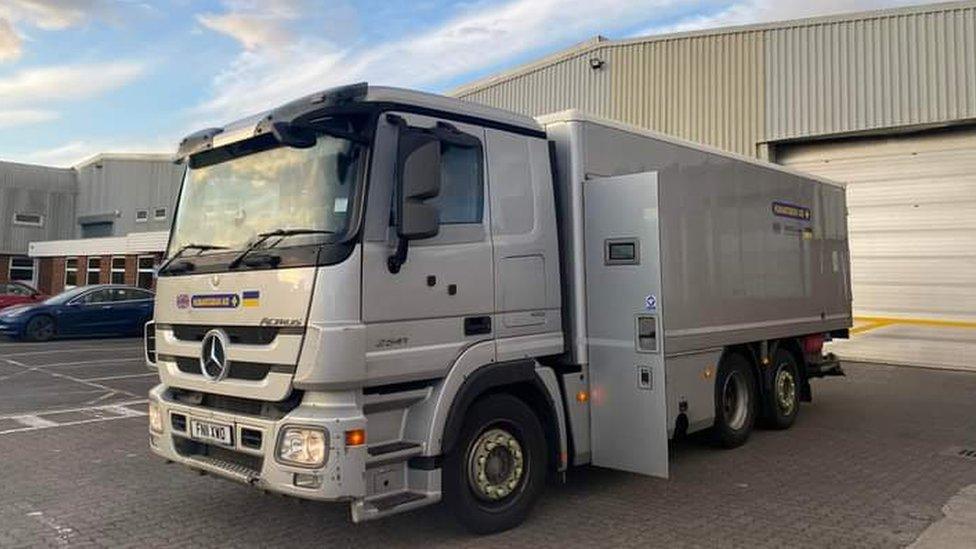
(104, 220)
(883, 102)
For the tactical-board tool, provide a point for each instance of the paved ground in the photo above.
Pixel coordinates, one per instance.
(870, 463)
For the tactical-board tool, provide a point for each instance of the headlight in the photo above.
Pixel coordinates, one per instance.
(14, 311)
(302, 446)
(155, 418)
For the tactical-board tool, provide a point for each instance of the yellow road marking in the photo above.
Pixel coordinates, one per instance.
(875, 322)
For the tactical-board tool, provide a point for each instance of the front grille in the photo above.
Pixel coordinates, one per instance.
(238, 405)
(247, 371)
(150, 339)
(251, 438)
(218, 455)
(178, 421)
(246, 335)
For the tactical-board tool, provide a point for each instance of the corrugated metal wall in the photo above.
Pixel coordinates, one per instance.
(739, 89)
(887, 71)
(49, 192)
(127, 185)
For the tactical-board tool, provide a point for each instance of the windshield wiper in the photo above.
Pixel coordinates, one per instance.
(263, 237)
(183, 249)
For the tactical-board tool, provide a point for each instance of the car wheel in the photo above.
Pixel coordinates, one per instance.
(782, 402)
(497, 470)
(735, 401)
(40, 328)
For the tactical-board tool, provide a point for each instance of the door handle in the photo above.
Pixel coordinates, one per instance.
(477, 325)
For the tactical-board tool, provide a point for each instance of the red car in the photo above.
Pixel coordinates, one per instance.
(16, 293)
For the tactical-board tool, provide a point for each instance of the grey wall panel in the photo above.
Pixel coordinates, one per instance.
(121, 186)
(739, 88)
(49, 192)
(859, 75)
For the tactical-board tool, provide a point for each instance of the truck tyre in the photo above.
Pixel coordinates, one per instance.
(782, 401)
(39, 328)
(497, 469)
(735, 401)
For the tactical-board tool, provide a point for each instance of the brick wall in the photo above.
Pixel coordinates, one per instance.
(4, 268)
(45, 276)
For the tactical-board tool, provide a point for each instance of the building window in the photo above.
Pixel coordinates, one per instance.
(70, 273)
(462, 196)
(29, 219)
(22, 269)
(142, 216)
(94, 270)
(147, 271)
(159, 214)
(96, 230)
(118, 270)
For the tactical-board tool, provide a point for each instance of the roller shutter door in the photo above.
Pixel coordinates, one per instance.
(912, 219)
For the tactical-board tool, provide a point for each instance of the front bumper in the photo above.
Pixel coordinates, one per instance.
(11, 329)
(341, 478)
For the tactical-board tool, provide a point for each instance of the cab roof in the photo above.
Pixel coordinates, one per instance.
(387, 98)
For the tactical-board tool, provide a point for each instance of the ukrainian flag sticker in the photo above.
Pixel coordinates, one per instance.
(251, 298)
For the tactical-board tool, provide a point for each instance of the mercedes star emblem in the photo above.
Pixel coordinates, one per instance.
(213, 355)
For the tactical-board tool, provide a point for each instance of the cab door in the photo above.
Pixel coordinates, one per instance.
(440, 301)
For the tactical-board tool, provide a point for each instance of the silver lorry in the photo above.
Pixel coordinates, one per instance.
(388, 298)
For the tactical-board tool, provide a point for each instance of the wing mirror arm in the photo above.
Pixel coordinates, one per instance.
(418, 179)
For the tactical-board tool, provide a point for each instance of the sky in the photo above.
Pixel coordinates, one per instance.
(81, 77)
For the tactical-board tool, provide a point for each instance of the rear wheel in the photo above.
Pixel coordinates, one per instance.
(782, 401)
(497, 470)
(735, 401)
(40, 328)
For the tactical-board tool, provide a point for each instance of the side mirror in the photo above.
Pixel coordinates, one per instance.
(418, 180)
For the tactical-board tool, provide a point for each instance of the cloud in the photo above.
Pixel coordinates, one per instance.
(50, 14)
(10, 41)
(481, 37)
(74, 152)
(745, 12)
(11, 118)
(66, 82)
(256, 24)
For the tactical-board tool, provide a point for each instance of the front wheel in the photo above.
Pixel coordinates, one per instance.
(40, 328)
(735, 401)
(497, 470)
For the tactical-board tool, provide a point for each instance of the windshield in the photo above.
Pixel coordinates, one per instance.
(66, 296)
(260, 186)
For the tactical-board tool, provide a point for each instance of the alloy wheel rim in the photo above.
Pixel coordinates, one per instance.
(496, 465)
(785, 391)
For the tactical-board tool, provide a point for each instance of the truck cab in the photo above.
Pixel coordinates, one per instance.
(339, 269)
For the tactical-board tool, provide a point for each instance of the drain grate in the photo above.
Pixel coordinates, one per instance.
(961, 452)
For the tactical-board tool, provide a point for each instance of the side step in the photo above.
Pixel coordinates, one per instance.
(390, 504)
(391, 452)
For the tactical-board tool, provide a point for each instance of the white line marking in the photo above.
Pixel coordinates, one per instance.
(63, 532)
(34, 421)
(75, 379)
(71, 423)
(126, 376)
(77, 409)
(75, 350)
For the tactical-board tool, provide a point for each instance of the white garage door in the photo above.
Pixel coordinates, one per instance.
(912, 218)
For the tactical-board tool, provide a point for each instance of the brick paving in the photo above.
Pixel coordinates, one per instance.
(864, 466)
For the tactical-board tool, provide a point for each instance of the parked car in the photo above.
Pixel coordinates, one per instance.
(17, 293)
(98, 310)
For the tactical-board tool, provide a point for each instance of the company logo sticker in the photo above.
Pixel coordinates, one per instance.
(215, 301)
(182, 301)
(650, 303)
(791, 211)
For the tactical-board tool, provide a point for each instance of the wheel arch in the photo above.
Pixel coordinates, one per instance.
(519, 379)
(42, 314)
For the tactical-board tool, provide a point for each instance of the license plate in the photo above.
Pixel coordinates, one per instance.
(211, 432)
